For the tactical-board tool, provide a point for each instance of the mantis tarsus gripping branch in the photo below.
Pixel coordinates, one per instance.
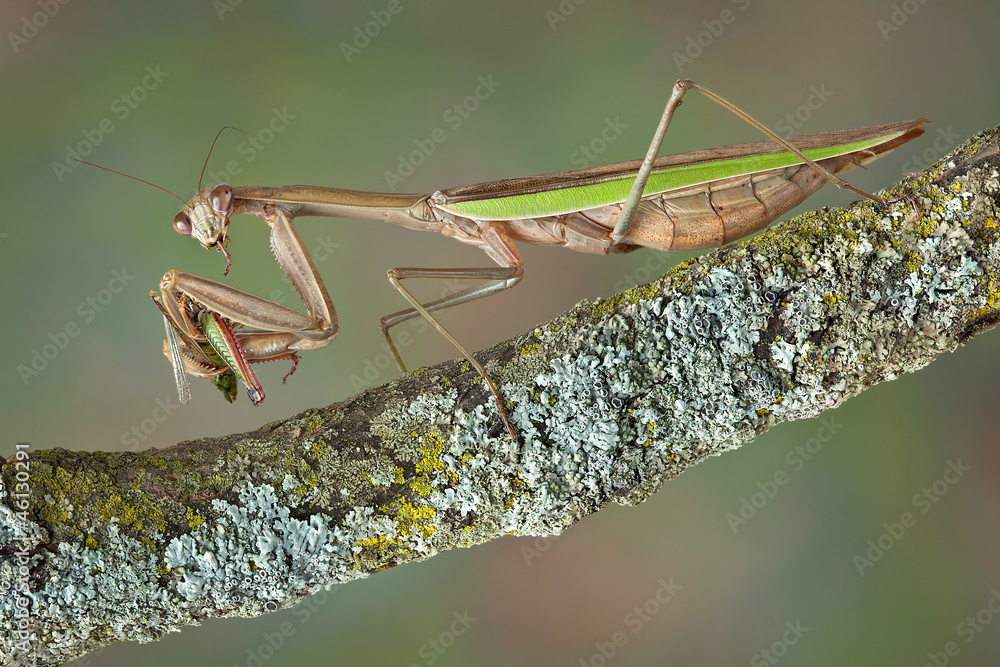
(700, 199)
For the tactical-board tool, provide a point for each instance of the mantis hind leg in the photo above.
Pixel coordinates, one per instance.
(680, 88)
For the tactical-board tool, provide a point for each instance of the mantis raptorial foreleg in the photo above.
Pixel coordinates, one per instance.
(186, 300)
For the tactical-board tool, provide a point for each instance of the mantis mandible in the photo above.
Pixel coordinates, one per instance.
(700, 199)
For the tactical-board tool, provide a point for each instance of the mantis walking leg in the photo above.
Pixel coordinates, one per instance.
(498, 279)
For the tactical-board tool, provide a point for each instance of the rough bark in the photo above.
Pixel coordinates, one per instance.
(610, 400)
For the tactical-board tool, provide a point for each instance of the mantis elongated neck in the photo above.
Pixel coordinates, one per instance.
(406, 209)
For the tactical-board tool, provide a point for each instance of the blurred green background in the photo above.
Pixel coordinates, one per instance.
(565, 69)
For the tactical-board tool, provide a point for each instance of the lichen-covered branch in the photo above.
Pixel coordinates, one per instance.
(610, 400)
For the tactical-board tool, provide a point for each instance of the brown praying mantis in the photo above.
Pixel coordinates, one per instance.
(700, 199)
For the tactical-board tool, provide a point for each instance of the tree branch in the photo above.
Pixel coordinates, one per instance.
(610, 399)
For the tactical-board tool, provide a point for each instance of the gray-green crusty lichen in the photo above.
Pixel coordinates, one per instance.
(609, 401)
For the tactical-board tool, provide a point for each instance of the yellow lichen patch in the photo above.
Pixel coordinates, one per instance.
(64, 489)
(801, 233)
(71, 495)
(913, 261)
(379, 550)
(430, 453)
(422, 485)
(639, 293)
(831, 299)
(194, 519)
(992, 305)
(409, 518)
(311, 424)
(127, 514)
(651, 433)
(530, 348)
(430, 461)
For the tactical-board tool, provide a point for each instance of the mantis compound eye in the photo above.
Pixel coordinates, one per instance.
(182, 223)
(221, 198)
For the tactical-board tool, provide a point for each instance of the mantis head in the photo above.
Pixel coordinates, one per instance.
(206, 218)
